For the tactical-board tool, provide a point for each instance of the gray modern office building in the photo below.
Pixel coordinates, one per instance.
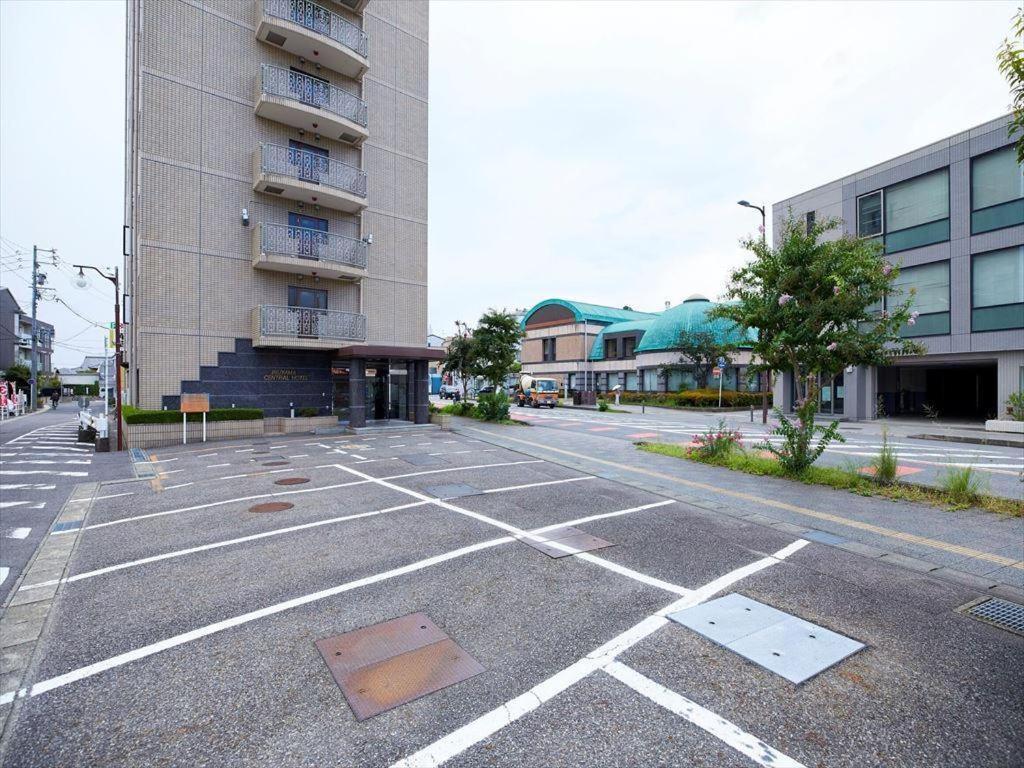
(951, 216)
(276, 206)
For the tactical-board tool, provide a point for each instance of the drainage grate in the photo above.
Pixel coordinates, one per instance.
(563, 542)
(392, 663)
(998, 612)
(272, 506)
(291, 481)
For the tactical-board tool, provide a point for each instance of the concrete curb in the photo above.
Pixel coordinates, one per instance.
(25, 615)
(981, 584)
(1001, 442)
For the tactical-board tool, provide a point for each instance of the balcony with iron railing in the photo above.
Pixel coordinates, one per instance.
(315, 33)
(299, 174)
(302, 251)
(311, 104)
(304, 328)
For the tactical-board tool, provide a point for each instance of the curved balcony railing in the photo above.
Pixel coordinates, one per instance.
(312, 91)
(303, 165)
(320, 20)
(303, 243)
(303, 323)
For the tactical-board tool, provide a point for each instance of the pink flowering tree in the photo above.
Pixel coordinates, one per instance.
(813, 302)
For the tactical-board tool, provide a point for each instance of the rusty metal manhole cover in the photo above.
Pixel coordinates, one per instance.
(275, 463)
(291, 481)
(272, 506)
(385, 665)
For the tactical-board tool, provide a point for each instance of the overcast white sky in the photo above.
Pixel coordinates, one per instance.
(585, 150)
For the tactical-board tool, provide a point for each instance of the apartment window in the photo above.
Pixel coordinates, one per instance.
(548, 350)
(997, 191)
(629, 346)
(997, 290)
(311, 162)
(309, 89)
(611, 349)
(869, 214)
(308, 234)
(930, 283)
(907, 215)
(809, 221)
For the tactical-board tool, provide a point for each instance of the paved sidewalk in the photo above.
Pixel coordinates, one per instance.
(981, 549)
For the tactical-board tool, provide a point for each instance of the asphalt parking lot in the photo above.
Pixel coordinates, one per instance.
(185, 626)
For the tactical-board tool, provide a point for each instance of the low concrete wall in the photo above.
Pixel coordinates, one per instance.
(281, 425)
(1004, 425)
(157, 435)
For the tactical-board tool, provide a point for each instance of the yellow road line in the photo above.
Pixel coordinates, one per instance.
(877, 529)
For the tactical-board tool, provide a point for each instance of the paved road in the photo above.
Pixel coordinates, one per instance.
(922, 461)
(41, 461)
(185, 633)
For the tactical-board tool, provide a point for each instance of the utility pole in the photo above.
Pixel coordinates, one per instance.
(32, 400)
(33, 379)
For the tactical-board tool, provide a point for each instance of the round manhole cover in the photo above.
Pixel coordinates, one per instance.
(291, 481)
(275, 463)
(273, 506)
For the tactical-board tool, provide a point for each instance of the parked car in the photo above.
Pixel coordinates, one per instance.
(450, 392)
(487, 389)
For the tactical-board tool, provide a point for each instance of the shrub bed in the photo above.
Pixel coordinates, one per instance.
(133, 415)
(694, 398)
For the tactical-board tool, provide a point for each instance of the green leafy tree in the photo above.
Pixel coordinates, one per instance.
(496, 341)
(1011, 66)
(460, 359)
(699, 351)
(19, 374)
(813, 303)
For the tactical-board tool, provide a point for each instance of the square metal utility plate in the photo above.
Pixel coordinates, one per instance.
(452, 491)
(780, 642)
(563, 542)
(422, 460)
(823, 537)
(388, 664)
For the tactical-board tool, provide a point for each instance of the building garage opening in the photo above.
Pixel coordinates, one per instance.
(944, 392)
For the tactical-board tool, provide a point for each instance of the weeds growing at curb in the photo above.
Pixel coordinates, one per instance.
(885, 464)
(846, 479)
(962, 484)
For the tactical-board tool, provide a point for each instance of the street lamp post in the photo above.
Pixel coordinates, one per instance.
(83, 282)
(768, 375)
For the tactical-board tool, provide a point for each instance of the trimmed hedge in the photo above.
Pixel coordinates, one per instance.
(133, 415)
(695, 398)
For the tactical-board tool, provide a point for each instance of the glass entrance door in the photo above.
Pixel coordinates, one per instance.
(398, 391)
(377, 391)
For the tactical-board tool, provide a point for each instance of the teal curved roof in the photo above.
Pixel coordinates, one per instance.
(592, 312)
(690, 315)
(626, 326)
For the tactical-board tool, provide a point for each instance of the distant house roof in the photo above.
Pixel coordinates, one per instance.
(691, 315)
(582, 311)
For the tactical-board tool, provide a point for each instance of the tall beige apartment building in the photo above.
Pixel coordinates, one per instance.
(276, 205)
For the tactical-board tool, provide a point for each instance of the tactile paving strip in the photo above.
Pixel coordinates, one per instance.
(563, 542)
(392, 663)
(780, 642)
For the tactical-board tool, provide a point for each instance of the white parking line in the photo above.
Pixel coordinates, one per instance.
(113, 495)
(27, 487)
(474, 732)
(186, 637)
(214, 466)
(516, 531)
(298, 456)
(716, 725)
(538, 485)
(206, 455)
(179, 485)
(42, 472)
